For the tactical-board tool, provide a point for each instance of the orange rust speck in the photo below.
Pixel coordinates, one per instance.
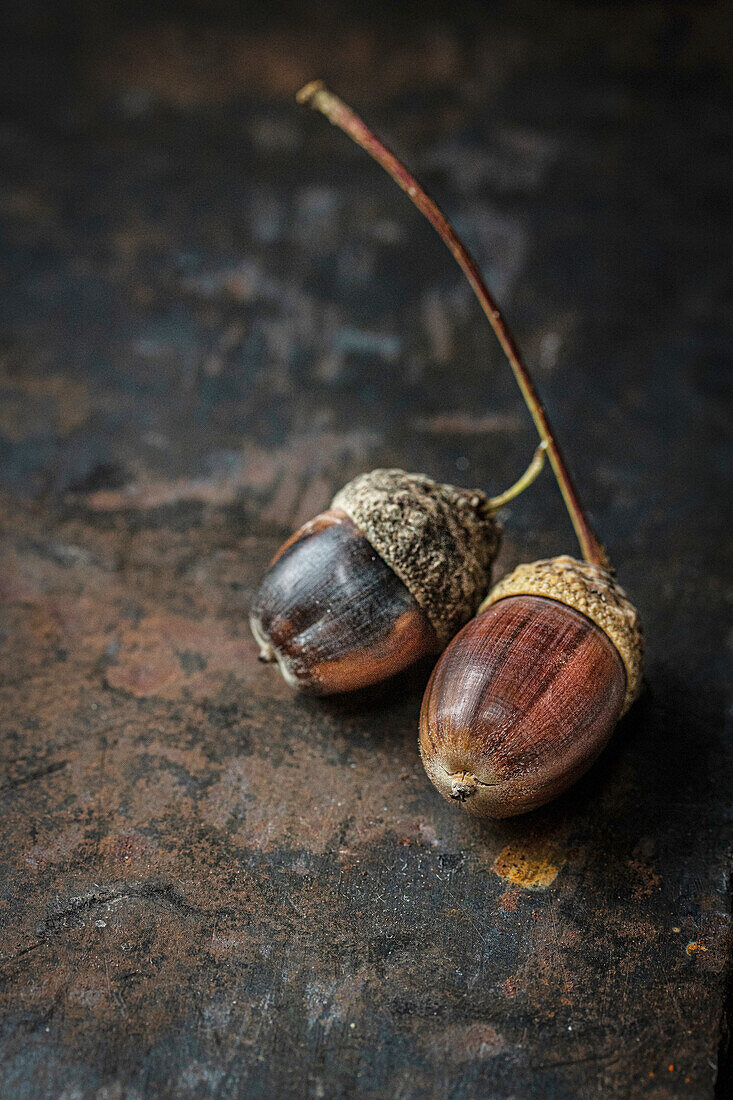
(530, 865)
(509, 901)
(511, 987)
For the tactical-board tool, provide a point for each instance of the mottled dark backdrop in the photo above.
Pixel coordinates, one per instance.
(213, 311)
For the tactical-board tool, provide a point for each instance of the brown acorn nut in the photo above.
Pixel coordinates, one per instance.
(386, 576)
(524, 699)
(526, 696)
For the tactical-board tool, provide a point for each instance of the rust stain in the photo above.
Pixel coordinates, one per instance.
(62, 847)
(148, 676)
(218, 491)
(294, 475)
(225, 796)
(530, 865)
(647, 879)
(511, 987)
(120, 849)
(509, 901)
(167, 653)
(472, 1041)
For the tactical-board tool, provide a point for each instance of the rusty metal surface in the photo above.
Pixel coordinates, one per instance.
(214, 312)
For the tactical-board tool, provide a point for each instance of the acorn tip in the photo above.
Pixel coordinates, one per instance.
(463, 785)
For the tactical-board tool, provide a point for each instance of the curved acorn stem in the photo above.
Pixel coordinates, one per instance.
(530, 475)
(316, 95)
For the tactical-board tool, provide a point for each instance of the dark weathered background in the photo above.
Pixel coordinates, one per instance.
(214, 311)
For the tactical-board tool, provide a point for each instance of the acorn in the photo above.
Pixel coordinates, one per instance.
(524, 699)
(527, 695)
(384, 577)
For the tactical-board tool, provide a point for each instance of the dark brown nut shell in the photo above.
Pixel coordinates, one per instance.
(333, 615)
(519, 706)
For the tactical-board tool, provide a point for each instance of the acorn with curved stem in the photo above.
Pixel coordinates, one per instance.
(527, 695)
(385, 577)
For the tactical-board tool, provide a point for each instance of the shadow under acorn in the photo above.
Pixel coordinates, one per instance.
(661, 775)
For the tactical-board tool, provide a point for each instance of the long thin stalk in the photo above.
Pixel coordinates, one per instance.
(317, 96)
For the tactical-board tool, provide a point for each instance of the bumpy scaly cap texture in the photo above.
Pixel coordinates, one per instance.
(590, 590)
(439, 540)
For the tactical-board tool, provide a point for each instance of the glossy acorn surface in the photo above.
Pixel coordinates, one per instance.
(333, 614)
(519, 705)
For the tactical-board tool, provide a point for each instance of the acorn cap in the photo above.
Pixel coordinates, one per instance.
(439, 540)
(590, 590)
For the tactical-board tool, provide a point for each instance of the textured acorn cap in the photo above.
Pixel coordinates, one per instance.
(439, 540)
(590, 590)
